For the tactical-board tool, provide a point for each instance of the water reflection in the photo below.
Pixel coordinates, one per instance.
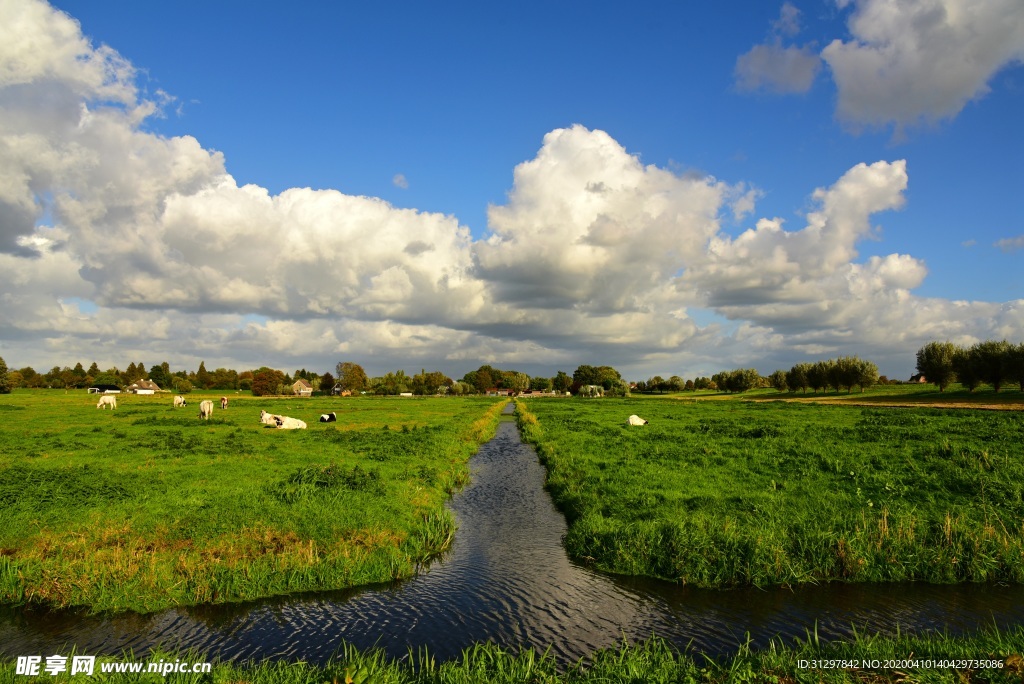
(507, 580)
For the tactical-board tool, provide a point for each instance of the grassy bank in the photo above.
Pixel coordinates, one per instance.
(147, 506)
(989, 656)
(721, 493)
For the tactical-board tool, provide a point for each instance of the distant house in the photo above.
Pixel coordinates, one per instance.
(499, 392)
(301, 388)
(918, 378)
(340, 391)
(104, 389)
(144, 387)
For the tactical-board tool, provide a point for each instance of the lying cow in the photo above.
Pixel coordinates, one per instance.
(223, 402)
(179, 401)
(328, 417)
(106, 401)
(268, 418)
(635, 420)
(286, 423)
(205, 409)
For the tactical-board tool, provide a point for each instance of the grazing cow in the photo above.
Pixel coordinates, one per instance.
(328, 417)
(286, 423)
(179, 401)
(205, 409)
(223, 402)
(635, 420)
(107, 400)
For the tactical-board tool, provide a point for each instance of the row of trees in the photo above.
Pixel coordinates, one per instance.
(993, 363)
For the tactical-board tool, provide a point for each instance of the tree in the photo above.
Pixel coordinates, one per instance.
(1015, 365)
(561, 382)
(867, 374)
(5, 380)
(989, 361)
(181, 385)
(778, 380)
(266, 381)
(796, 378)
(965, 369)
(160, 377)
(327, 382)
(351, 376)
(107, 378)
(203, 378)
(935, 363)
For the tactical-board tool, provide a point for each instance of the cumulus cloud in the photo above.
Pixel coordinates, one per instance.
(921, 60)
(117, 243)
(1011, 244)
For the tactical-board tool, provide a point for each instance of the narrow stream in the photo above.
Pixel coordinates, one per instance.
(507, 579)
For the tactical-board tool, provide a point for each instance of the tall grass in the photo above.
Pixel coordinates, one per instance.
(147, 507)
(901, 658)
(732, 493)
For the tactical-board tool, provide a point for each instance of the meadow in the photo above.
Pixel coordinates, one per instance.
(146, 506)
(732, 492)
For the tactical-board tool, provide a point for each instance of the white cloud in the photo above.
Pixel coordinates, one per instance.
(1010, 244)
(400, 181)
(921, 60)
(594, 258)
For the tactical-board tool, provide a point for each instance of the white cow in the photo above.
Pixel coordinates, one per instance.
(328, 417)
(268, 418)
(107, 400)
(205, 409)
(286, 423)
(179, 401)
(635, 420)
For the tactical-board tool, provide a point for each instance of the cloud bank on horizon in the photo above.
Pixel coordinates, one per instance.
(120, 244)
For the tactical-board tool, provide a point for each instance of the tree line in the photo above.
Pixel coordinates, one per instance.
(990, 362)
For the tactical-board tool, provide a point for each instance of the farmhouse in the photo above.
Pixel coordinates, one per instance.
(104, 389)
(340, 391)
(144, 387)
(301, 388)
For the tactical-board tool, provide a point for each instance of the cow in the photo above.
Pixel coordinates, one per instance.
(268, 418)
(107, 400)
(635, 420)
(205, 409)
(328, 417)
(223, 402)
(286, 423)
(179, 401)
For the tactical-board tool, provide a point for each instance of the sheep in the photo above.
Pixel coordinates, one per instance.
(635, 420)
(107, 400)
(223, 403)
(205, 409)
(179, 401)
(328, 417)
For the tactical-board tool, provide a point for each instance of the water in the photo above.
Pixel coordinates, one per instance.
(507, 579)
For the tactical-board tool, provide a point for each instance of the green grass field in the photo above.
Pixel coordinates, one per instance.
(732, 492)
(147, 506)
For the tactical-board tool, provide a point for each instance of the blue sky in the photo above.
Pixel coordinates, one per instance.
(432, 109)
